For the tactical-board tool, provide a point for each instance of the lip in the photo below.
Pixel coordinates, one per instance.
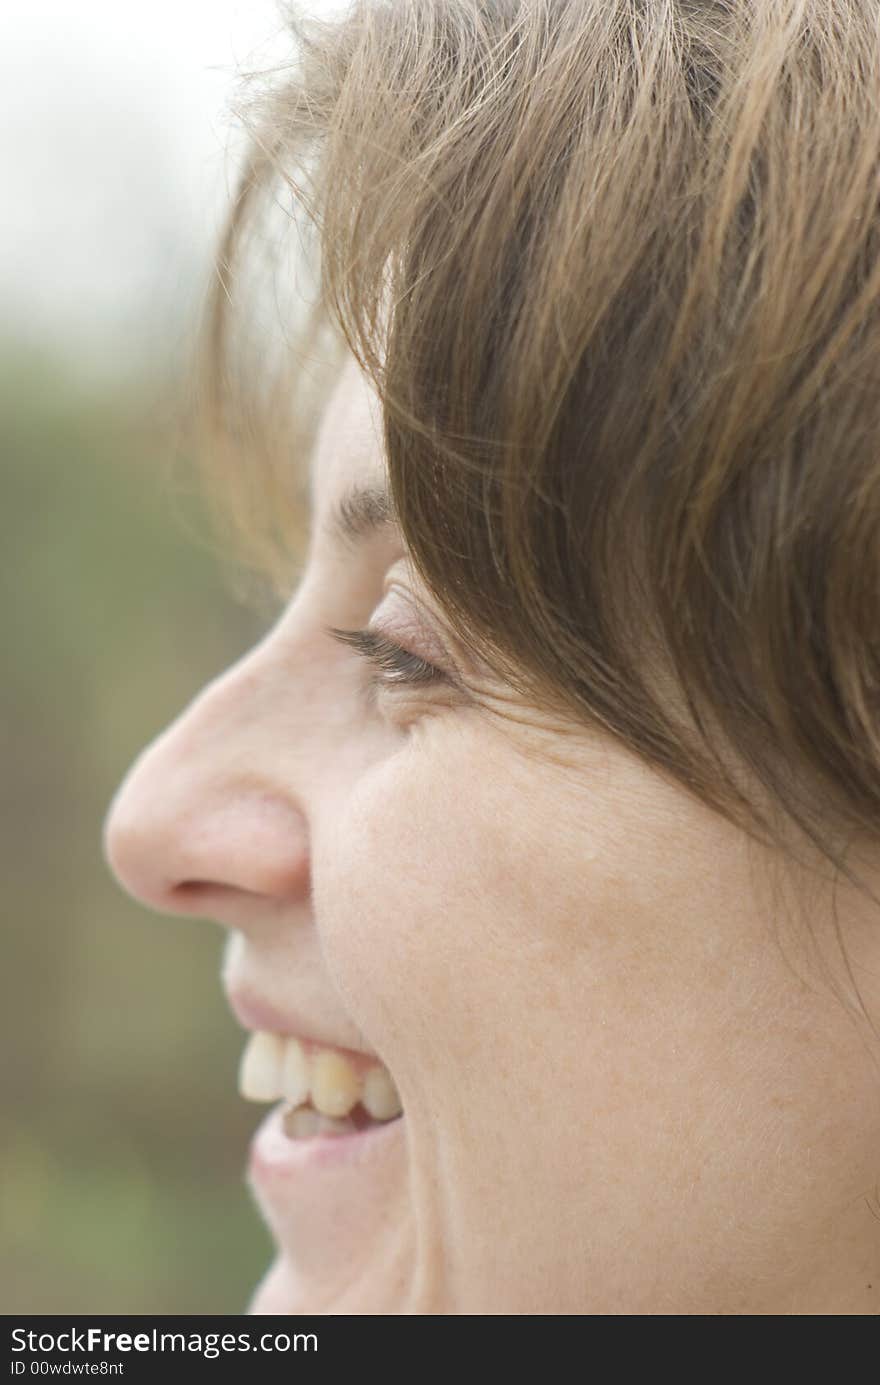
(256, 1014)
(277, 1162)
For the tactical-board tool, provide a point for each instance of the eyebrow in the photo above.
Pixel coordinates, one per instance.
(360, 513)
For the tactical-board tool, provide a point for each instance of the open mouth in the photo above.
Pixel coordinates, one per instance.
(327, 1092)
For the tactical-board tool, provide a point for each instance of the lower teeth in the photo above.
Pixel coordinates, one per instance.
(304, 1122)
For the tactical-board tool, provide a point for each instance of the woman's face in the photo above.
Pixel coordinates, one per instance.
(620, 1095)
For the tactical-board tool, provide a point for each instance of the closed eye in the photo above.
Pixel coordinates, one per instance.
(392, 665)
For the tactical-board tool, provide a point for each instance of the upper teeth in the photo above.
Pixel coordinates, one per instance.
(273, 1067)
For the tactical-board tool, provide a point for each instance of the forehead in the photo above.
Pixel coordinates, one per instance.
(348, 450)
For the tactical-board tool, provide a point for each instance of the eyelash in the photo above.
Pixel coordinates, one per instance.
(392, 665)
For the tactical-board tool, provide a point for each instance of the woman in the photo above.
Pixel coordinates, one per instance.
(552, 898)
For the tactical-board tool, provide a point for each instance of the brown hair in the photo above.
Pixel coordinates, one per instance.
(613, 268)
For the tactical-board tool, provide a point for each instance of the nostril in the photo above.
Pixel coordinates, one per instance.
(225, 904)
(191, 894)
(196, 889)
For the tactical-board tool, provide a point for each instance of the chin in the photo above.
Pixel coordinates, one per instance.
(278, 1293)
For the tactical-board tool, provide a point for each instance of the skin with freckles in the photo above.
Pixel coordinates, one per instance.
(627, 1087)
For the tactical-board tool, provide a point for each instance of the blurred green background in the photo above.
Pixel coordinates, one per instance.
(124, 1145)
(123, 1141)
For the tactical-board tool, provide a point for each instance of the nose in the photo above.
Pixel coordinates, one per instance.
(204, 822)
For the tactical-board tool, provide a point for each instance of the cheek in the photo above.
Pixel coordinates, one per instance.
(507, 943)
(429, 901)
